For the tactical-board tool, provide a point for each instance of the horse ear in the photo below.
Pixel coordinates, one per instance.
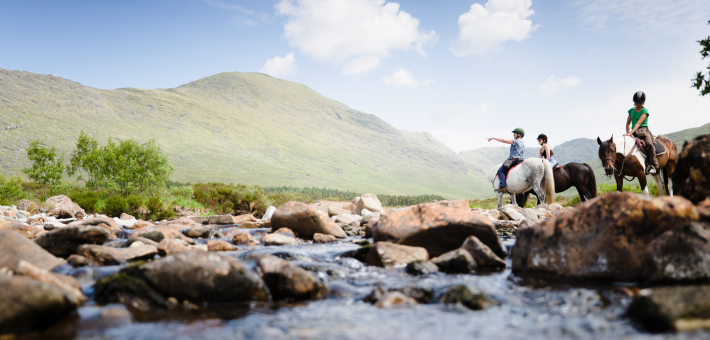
(599, 140)
(612, 138)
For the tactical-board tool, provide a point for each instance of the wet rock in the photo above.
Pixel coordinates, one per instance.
(78, 261)
(269, 212)
(335, 211)
(463, 295)
(199, 219)
(305, 220)
(64, 242)
(172, 246)
(680, 255)
(154, 236)
(104, 222)
(437, 228)
(395, 300)
(691, 178)
(369, 202)
(286, 280)
(216, 245)
(125, 216)
(24, 229)
(69, 285)
(29, 305)
(604, 239)
(15, 248)
(166, 232)
(141, 239)
(245, 239)
(285, 231)
(459, 204)
(322, 238)
(202, 231)
(99, 319)
(62, 207)
(455, 261)
(386, 254)
(421, 268)
(484, 257)
(28, 206)
(244, 218)
(674, 308)
(108, 255)
(277, 240)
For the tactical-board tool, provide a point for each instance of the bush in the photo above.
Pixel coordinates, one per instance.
(231, 199)
(134, 203)
(10, 189)
(154, 206)
(115, 205)
(47, 167)
(165, 215)
(86, 200)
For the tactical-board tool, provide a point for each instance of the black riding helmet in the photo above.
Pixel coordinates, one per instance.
(639, 97)
(543, 137)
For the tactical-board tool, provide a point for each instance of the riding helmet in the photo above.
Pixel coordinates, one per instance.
(519, 131)
(639, 97)
(543, 137)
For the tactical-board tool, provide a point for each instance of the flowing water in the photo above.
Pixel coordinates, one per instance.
(520, 311)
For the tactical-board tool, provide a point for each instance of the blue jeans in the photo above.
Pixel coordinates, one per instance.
(501, 176)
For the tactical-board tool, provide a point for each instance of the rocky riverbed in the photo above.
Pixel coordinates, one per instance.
(619, 266)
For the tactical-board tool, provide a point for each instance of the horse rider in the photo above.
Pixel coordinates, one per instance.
(545, 150)
(638, 116)
(517, 149)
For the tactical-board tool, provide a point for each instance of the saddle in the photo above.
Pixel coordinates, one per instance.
(512, 166)
(556, 167)
(641, 145)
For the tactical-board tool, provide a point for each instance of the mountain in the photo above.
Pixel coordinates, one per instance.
(682, 136)
(235, 127)
(577, 150)
(483, 159)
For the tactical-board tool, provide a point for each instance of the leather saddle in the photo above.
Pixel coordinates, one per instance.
(660, 149)
(515, 163)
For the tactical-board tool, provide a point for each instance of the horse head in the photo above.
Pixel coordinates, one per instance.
(607, 154)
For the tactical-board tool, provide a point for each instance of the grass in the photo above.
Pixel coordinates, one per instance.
(281, 195)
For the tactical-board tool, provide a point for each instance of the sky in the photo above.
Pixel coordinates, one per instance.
(459, 70)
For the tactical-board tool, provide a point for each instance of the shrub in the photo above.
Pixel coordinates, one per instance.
(115, 205)
(134, 203)
(10, 189)
(230, 198)
(86, 200)
(165, 215)
(47, 167)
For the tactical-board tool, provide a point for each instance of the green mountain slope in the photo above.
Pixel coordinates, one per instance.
(682, 136)
(483, 159)
(235, 127)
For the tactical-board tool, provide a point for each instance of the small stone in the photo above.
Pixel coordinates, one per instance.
(421, 268)
(172, 246)
(286, 280)
(322, 238)
(369, 202)
(483, 255)
(395, 300)
(277, 240)
(285, 231)
(245, 239)
(221, 219)
(216, 245)
(463, 295)
(455, 261)
(305, 220)
(250, 225)
(385, 254)
(125, 216)
(108, 255)
(244, 218)
(202, 231)
(335, 211)
(78, 261)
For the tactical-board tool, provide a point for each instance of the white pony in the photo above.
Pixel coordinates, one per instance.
(624, 145)
(535, 173)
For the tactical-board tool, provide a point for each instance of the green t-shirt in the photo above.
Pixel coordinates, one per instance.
(636, 115)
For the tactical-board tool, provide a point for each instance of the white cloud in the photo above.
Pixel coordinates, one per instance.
(482, 30)
(279, 67)
(403, 77)
(337, 31)
(459, 112)
(552, 85)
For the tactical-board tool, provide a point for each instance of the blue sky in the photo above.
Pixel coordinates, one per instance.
(461, 70)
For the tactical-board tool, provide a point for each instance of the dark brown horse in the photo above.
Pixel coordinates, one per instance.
(620, 158)
(578, 175)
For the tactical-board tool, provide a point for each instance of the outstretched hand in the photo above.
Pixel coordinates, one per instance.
(489, 139)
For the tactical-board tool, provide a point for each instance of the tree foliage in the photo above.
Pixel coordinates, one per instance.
(47, 168)
(133, 167)
(85, 159)
(701, 82)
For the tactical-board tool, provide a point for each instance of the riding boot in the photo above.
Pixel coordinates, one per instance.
(645, 134)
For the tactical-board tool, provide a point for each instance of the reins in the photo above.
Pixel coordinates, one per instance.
(623, 163)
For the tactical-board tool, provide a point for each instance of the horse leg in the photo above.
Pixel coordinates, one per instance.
(500, 199)
(583, 193)
(512, 199)
(659, 183)
(619, 183)
(539, 191)
(644, 185)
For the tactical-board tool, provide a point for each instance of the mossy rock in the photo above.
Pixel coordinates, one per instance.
(126, 288)
(153, 236)
(462, 295)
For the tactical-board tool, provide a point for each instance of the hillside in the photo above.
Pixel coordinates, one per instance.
(483, 159)
(235, 127)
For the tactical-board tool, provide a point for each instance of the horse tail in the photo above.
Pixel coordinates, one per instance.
(591, 182)
(548, 180)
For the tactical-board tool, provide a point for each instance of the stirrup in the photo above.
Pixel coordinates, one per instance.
(504, 190)
(651, 170)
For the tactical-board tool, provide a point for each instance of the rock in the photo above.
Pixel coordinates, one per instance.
(421, 268)
(172, 246)
(675, 308)
(335, 211)
(78, 261)
(244, 218)
(108, 256)
(507, 224)
(245, 239)
(28, 231)
(277, 240)
(287, 280)
(141, 239)
(166, 232)
(64, 241)
(484, 257)
(385, 254)
(459, 204)
(679, 256)
(180, 223)
(703, 209)
(72, 291)
(305, 221)
(202, 231)
(346, 218)
(322, 238)
(541, 213)
(28, 206)
(604, 239)
(15, 248)
(285, 231)
(355, 201)
(367, 218)
(203, 277)
(324, 206)
(39, 220)
(216, 245)
(529, 214)
(268, 213)
(62, 207)
(223, 219)
(103, 222)
(437, 228)
(555, 209)
(463, 295)
(369, 202)
(141, 225)
(199, 219)
(494, 214)
(29, 305)
(251, 225)
(125, 216)
(513, 213)
(395, 300)
(455, 261)
(526, 224)
(691, 178)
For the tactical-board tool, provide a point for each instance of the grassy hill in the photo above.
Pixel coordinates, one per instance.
(235, 127)
(483, 159)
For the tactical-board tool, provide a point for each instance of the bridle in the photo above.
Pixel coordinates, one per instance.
(623, 163)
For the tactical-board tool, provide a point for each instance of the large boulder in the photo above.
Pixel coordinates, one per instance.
(369, 202)
(109, 255)
(104, 222)
(604, 239)
(64, 241)
(691, 178)
(305, 220)
(287, 280)
(62, 207)
(324, 206)
(437, 228)
(28, 206)
(385, 254)
(15, 248)
(29, 305)
(674, 308)
(24, 229)
(679, 255)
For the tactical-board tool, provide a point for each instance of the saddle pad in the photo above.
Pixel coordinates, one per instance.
(556, 167)
(511, 168)
(660, 149)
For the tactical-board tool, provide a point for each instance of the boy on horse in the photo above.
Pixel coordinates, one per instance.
(517, 149)
(638, 116)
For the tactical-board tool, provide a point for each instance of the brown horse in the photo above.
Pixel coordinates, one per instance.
(620, 158)
(578, 175)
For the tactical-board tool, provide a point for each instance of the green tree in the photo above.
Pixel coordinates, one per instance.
(133, 167)
(700, 82)
(47, 167)
(85, 159)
